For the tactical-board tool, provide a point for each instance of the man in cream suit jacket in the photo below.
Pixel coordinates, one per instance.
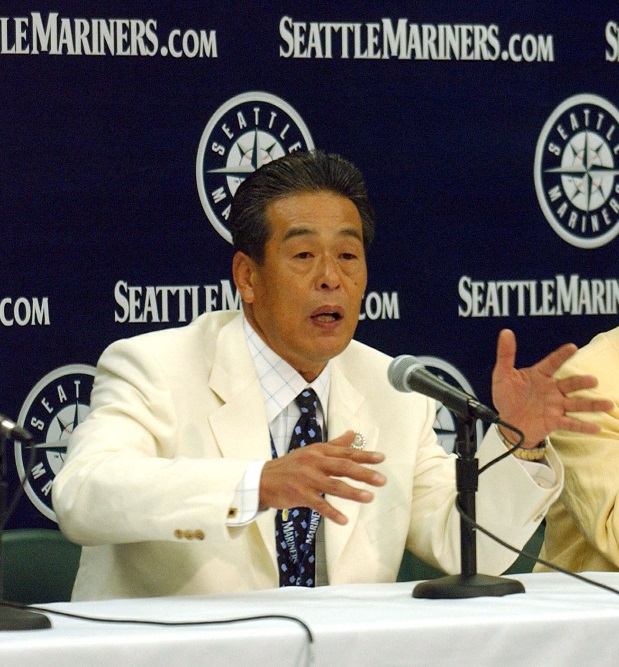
(173, 482)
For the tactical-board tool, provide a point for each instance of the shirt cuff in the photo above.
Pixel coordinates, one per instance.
(244, 507)
(539, 471)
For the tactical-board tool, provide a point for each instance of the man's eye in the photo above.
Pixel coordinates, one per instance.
(348, 255)
(303, 255)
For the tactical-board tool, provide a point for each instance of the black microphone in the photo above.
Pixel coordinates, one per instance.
(407, 373)
(9, 429)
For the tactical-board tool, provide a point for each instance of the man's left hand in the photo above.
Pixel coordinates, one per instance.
(532, 400)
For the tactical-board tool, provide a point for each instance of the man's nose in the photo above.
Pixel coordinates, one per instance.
(328, 274)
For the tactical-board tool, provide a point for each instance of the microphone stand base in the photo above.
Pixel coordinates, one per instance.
(12, 618)
(459, 586)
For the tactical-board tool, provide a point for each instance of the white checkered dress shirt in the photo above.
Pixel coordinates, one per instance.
(280, 384)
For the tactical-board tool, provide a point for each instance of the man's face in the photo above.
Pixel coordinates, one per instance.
(304, 300)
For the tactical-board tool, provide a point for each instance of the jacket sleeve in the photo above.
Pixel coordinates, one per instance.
(137, 471)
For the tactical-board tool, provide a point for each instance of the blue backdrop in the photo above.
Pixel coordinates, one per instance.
(488, 137)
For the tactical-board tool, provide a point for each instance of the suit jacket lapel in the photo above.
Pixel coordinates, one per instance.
(240, 424)
(345, 413)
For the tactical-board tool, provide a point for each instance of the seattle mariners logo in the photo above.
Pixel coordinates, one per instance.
(445, 422)
(246, 132)
(576, 171)
(52, 410)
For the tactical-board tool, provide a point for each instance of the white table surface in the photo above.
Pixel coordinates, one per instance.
(557, 621)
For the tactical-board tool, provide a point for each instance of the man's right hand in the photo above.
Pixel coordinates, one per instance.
(303, 477)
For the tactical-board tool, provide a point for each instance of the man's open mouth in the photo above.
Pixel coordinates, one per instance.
(327, 317)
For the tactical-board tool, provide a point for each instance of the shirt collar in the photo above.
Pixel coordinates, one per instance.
(279, 381)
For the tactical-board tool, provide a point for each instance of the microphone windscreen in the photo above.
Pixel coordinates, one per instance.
(399, 368)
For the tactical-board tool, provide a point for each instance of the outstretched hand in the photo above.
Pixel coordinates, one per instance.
(302, 477)
(533, 400)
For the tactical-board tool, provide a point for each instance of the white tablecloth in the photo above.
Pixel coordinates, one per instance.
(557, 621)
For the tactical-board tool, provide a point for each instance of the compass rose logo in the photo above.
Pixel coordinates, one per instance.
(52, 410)
(576, 171)
(246, 132)
(445, 422)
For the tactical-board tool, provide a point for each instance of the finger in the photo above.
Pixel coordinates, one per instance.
(327, 511)
(588, 405)
(354, 471)
(576, 382)
(359, 456)
(577, 426)
(344, 440)
(341, 463)
(505, 351)
(337, 487)
(551, 363)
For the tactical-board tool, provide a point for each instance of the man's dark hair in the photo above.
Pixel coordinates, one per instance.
(294, 174)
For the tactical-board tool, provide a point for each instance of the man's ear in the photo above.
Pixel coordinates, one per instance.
(243, 273)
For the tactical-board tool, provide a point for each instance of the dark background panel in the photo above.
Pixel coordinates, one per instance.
(98, 174)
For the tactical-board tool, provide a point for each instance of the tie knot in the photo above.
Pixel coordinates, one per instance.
(307, 401)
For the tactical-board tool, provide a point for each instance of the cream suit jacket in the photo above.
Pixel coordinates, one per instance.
(177, 415)
(582, 528)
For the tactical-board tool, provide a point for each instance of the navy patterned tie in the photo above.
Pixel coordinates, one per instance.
(295, 528)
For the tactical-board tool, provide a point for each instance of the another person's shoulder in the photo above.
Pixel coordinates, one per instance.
(606, 339)
(599, 357)
(606, 342)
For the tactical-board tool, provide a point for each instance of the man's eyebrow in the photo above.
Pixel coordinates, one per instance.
(311, 231)
(352, 231)
(299, 231)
